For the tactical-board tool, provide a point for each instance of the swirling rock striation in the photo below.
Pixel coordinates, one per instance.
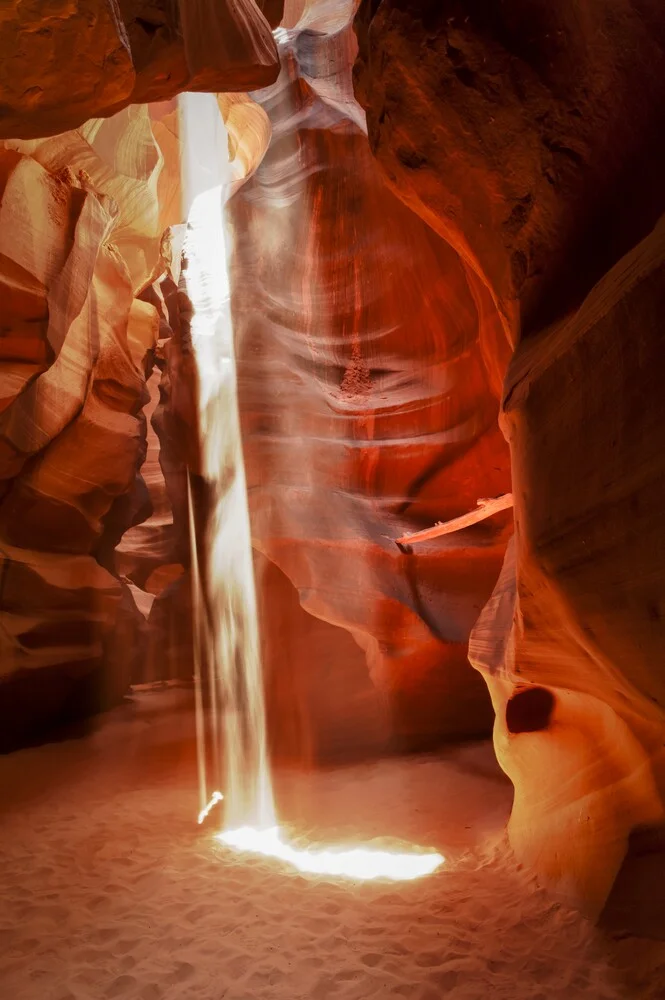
(576, 620)
(367, 404)
(82, 215)
(73, 361)
(527, 133)
(530, 136)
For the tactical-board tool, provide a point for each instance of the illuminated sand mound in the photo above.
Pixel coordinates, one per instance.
(355, 863)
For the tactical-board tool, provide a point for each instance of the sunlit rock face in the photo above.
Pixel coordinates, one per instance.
(88, 548)
(65, 63)
(155, 554)
(76, 344)
(367, 404)
(575, 627)
(530, 138)
(98, 410)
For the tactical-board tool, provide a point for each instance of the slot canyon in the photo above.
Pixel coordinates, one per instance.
(332, 473)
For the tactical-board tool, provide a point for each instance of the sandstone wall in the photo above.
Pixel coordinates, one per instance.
(368, 389)
(83, 539)
(530, 136)
(66, 64)
(75, 349)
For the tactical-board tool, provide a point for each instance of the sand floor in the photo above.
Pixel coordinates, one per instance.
(108, 889)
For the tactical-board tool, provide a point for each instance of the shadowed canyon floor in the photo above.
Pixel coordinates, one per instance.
(109, 889)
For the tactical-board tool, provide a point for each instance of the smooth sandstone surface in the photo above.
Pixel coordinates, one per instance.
(529, 136)
(527, 133)
(82, 214)
(366, 404)
(72, 366)
(578, 610)
(65, 63)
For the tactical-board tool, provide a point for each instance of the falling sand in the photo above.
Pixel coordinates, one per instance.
(108, 888)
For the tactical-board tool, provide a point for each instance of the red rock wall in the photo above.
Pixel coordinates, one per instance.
(95, 57)
(367, 392)
(524, 149)
(530, 136)
(527, 133)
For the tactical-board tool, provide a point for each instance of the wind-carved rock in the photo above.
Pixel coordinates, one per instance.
(533, 142)
(367, 405)
(175, 423)
(72, 371)
(576, 620)
(529, 139)
(95, 57)
(82, 216)
(81, 242)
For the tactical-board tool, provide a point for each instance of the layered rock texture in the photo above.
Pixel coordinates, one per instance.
(366, 401)
(75, 348)
(571, 641)
(530, 137)
(83, 339)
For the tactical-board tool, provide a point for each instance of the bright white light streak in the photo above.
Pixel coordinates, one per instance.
(207, 809)
(355, 863)
(231, 638)
(197, 608)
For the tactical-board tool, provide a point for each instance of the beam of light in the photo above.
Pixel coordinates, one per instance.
(224, 594)
(230, 638)
(358, 863)
(198, 689)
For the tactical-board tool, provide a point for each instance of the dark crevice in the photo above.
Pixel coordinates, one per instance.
(529, 710)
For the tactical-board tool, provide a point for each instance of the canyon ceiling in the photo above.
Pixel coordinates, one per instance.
(447, 284)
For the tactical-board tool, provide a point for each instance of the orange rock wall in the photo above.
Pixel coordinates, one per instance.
(523, 147)
(529, 135)
(74, 351)
(62, 66)
(82, 215)
(367, 401)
